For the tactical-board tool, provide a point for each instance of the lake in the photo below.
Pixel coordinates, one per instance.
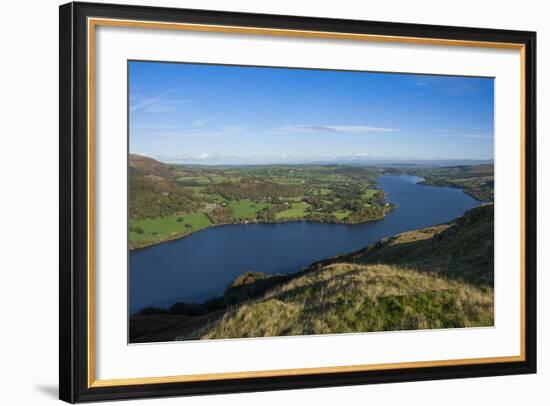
(200, 266)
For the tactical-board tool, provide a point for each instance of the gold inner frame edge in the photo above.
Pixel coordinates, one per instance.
(94, 22)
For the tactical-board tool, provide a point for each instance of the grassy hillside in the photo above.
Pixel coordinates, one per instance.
(438, 277)
(346, 298)
(153, 191)
(462, 250)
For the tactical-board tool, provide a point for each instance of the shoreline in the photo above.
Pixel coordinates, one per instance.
(393, 206)
(425, 183)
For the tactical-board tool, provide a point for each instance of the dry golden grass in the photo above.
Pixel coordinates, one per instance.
(344, 298)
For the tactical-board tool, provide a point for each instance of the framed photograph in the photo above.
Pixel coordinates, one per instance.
(256, 202)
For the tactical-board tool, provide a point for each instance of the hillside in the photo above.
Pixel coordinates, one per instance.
(438, 277)
(148, 166)
(463, 250)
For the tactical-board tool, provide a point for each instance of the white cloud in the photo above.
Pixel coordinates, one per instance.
(157, 104)
(203, 156)
(343, 129)
(421, 83)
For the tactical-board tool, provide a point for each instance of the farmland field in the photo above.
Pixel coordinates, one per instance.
(246, 209)
(164, 228)
(295, 211)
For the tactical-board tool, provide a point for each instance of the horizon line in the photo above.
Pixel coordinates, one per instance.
(319, 161)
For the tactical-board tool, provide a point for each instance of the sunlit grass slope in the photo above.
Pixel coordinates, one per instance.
(439, 277)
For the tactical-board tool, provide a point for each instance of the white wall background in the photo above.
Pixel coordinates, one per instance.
(29, 189)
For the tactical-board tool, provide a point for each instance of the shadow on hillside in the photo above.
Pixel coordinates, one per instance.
(464, 251)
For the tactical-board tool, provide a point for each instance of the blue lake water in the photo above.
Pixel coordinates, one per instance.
(200, 266)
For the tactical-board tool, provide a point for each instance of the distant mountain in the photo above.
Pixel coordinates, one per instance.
(217, 160)
(148, 166)
(408, 163)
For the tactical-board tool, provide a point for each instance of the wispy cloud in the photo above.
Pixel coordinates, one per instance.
(449, 86)
(140, 103)
(201, 122)
(342, 129)
(157, 104)
(477, 136)
(153, 126)
(421, 83)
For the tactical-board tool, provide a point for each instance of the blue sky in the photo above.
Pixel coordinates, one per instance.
(214, 114)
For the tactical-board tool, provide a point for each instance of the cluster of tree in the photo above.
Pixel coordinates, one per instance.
(365, 175)
(368, 213)
(362, 214)
(343, 199)
(220, 215)
(138, 230)
(321, 217)
(268, 213)
(253, 189)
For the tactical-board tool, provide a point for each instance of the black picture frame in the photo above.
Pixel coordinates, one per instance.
(74, 199)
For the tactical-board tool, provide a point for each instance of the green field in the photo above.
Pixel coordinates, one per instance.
(246, 209)
(152, 230)
(341, 215)
(296, 211)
